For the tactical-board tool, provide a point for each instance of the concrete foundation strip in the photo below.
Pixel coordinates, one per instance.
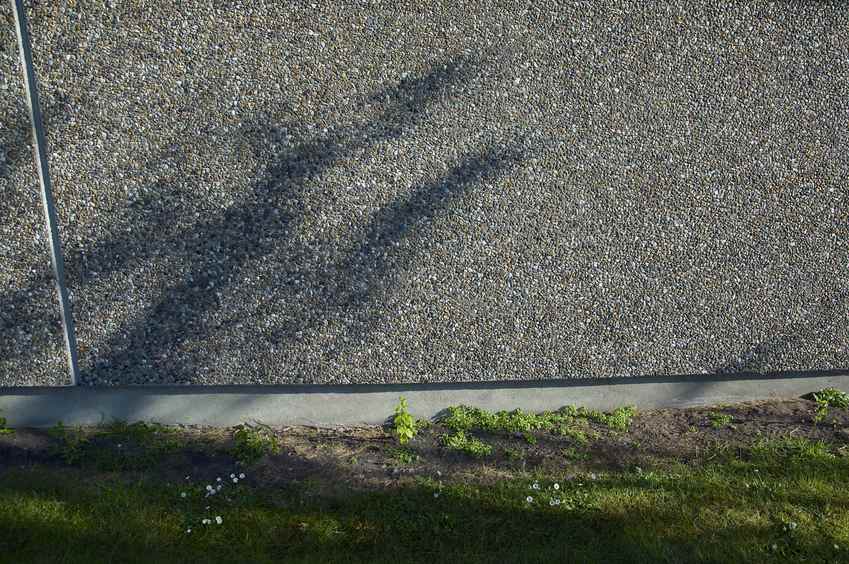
(373, 404)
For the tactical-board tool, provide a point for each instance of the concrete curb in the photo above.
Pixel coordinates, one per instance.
(372, 404)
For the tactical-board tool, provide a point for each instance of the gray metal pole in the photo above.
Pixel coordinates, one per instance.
(40, 152)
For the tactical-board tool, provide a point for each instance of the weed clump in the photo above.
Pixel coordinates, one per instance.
(828, 398)
(252, 443)
(115, 446)
(468, 444)
(4, 430)
(620, 418)
(466, 418)
(791, 450)
(720, 420)
(403, 455)
(70, 443)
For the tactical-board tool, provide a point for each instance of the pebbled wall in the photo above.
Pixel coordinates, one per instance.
(360, 192)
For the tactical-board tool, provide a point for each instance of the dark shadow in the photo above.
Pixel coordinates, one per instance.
(408, 528)
(759, 356)
(15, 145)
(16, 136)
(566, 383)
(30, 328)
(619, 516)
(219, 248)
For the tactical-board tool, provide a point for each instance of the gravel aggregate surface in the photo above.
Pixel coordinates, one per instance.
(362, 192)
(31, 346)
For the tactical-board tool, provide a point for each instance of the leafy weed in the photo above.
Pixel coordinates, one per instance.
(468, 444)
(252, 443)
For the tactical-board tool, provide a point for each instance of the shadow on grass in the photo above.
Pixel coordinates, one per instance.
(696, 518)
(301, 506)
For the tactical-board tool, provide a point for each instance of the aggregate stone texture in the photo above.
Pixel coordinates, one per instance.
(371, 192)
(31, 345)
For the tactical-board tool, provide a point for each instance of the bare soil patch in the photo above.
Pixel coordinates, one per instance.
(346, 458)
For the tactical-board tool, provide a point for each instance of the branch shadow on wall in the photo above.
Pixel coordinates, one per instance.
(225, 246)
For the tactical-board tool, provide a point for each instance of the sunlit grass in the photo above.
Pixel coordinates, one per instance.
(782, 501)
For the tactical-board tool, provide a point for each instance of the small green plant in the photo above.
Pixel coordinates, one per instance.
(574, 455)
(791, 450)
(577, 435)
(252, 443)
(720, 420)
(115, 446)
(529, 438)
(127, 446)
(405, 425)
(468, 444)
(321, 530)
(828, 398)
(514, 453)
(4, 430)
(155, 436)
(71, 443)
(465, 418)
(403, 455)
(621, 418)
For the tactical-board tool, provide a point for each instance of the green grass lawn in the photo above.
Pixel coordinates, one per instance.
(780, 501)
